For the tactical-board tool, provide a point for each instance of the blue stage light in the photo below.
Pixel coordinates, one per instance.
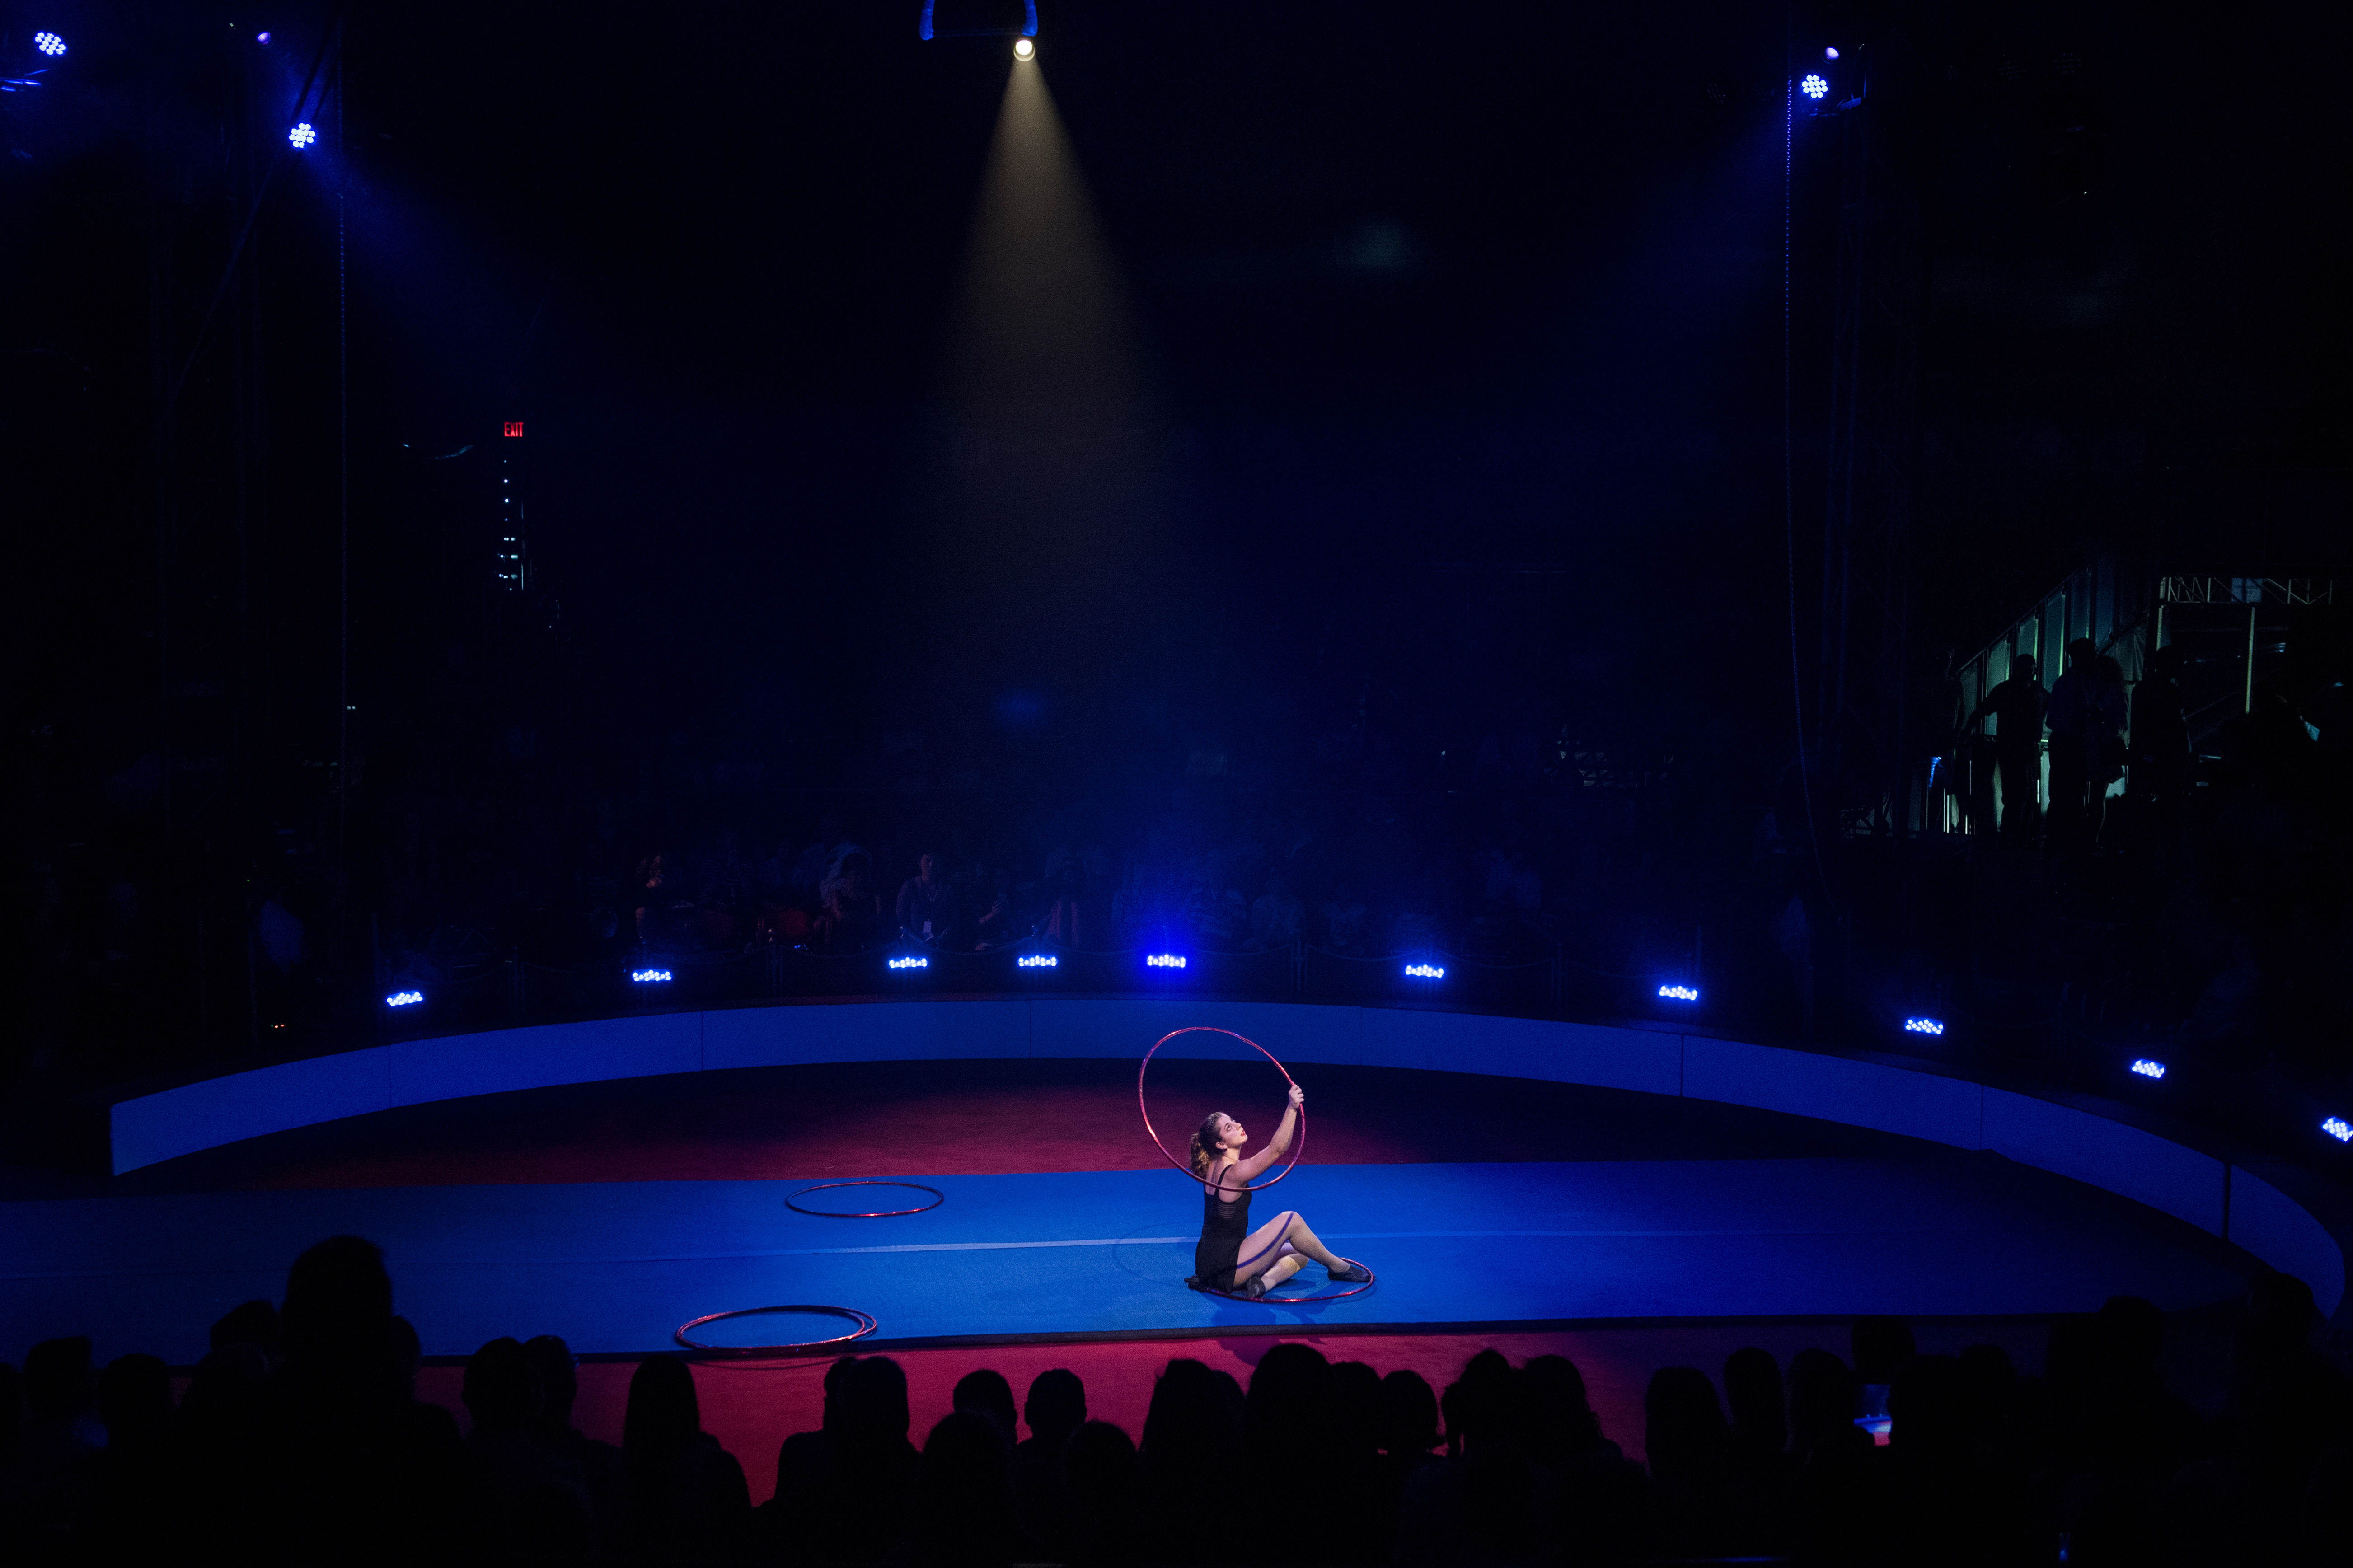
(1426, 971)
(302, 136)
(649, 976)
(911, 964)
(1814, 86)
(2336, 1127)
(1165, 961)
(48, 43)
(2147, 1068)
(1038, 961)
(1923, 1025)
(404, 999)
(1829, 54)
(1679, 993)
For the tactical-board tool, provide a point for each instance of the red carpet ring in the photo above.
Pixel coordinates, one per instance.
(938, 1197)
(865, 1322)
(1371, 1280)
(1299, 1144)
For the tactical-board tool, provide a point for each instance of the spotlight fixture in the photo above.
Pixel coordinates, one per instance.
(2147, 1068)
(2336, 1127)
(404, 999)
(1426, 971)
(1680, 992)
(1829, 54)
(1814, 87)
(1023, 48)
(911, 964)
(1923, 1025)
(302, 136)
(48, 43)
(649, 976)
(1038, 961)
(1165, 961)
(262, 38)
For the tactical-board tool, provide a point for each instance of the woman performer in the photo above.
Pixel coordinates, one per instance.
(1230, 1258)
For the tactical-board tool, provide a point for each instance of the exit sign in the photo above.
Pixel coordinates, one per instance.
(514, 426)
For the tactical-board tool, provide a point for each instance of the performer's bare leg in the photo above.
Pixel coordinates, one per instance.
(1282, 1237)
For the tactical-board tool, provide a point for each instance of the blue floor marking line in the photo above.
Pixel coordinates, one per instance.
(614, 1267)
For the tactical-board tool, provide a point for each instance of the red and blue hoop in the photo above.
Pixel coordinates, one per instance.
(938, 1197)
(1271, 1300)
(1298, 1146)
(862, 1324)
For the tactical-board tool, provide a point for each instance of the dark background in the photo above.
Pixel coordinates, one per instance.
(1466, 418)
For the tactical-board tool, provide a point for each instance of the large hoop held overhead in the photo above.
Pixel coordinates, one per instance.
(1298, 1147)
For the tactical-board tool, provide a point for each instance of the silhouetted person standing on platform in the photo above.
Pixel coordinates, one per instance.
(2085, 715)
(2160, 743)
(2017, 705)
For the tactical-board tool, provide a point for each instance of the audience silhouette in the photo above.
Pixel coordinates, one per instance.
(298, 1439)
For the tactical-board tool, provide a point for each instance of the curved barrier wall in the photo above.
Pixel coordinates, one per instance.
(2230, 1201)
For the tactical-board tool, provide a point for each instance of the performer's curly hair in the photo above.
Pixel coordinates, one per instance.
(1205, 1142)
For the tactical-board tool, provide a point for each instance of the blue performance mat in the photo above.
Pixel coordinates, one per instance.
(615, 1267)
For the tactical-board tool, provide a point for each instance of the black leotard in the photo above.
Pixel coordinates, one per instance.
(1225, 1225)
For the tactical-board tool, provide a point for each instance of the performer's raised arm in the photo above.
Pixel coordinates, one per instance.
(1230, 1257)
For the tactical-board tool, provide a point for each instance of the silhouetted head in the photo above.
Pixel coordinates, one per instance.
(1289, 1400)
(2022, 667)
(338, 1308)
(1408, 1415)
(1563, 1414)
(407, 1353)
(1882, 1346)
(58, 1383)
(251, 1323)
(228, 1399)
(872, 1401)
(1821, 1398)
(1683, 1428)
(1488, 1405)
(1752, 1387)
(1357, 1404)
(135, 1399)
(985, 1393)
(12, 1410)
(1057, 1406)
(963, 1503)
(834, 1376)
(1195, 1413)
(2082, 651)
(1928, 1407)
(502, 1390)
(1989, 1384)
(2131, 1334)
(663, 1418)
(559, 1385)
(1106, 1479)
